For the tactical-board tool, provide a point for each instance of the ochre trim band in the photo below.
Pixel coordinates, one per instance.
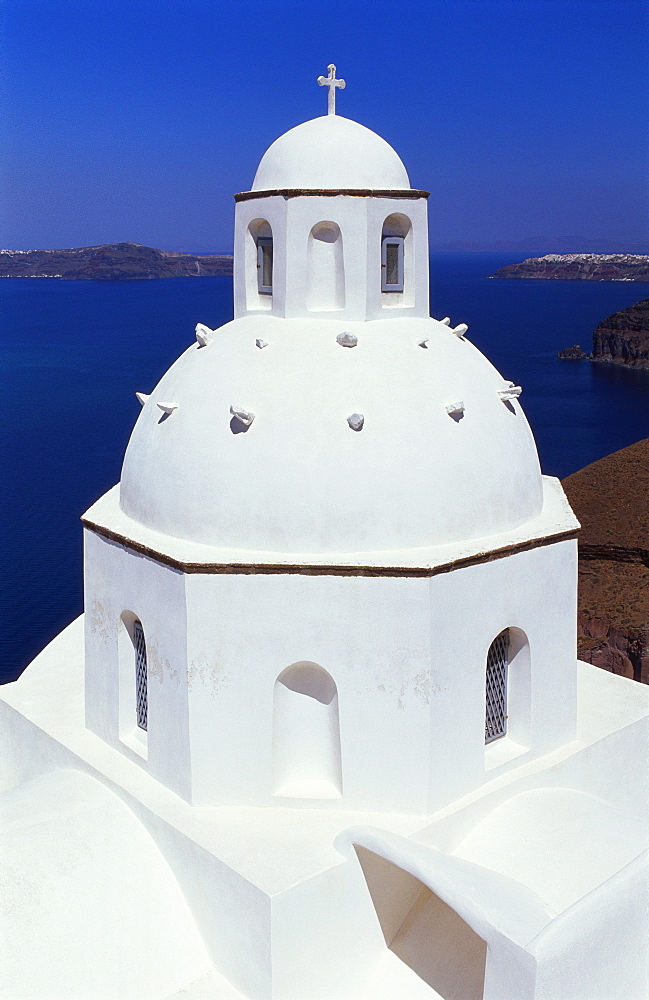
(330, 193)
(272, 569)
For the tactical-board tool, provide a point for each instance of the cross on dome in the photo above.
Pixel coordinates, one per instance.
(331, 82)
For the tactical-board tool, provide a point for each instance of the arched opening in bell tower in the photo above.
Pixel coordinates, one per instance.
(397, 262)
(259, 254)
(306, 734)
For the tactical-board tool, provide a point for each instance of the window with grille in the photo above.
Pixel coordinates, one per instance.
(496, 702)
(265, 265)
(140, 675)
(392, 264)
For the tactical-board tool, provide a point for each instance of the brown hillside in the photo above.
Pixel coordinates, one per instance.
(611, 500)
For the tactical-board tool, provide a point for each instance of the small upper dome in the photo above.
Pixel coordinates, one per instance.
(331, 153)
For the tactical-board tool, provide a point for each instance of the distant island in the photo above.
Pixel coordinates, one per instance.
(111, 262)
(621, 339)
(580, 267)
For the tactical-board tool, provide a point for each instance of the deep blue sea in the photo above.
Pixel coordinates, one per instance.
(75, 352)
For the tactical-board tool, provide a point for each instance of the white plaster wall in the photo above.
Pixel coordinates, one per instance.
(510, 973)
(361, 222)
(423, 931)
(597, 949)
(626, 787)
(118, 580)
(232, 914)
(586, 769)
(534, 591)
(246, 297)
(326, 939)
(350, 215)
(373, 638)
(407, 657)
(500, 912)
(89, 908)
(325, 268)
(561, 843)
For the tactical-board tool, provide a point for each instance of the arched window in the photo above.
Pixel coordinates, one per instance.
(141, 676)
(133, 684)
(392, 264)
(259, 265)
(496, 688)
(325, 283)
(394, 235)
(306, 734)
(265, 265)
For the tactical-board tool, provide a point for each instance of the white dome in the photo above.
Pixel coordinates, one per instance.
(300, 479)
(331, 153)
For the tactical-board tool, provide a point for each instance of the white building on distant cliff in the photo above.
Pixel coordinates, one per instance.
(322, 733)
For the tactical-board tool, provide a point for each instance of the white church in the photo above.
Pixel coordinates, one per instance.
(321, 733)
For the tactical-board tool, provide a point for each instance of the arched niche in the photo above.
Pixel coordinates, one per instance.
(132, 680)
(517, 695)
(424, 932)
(397, 261)
(325, 273)
(259, 265)
(306, 734)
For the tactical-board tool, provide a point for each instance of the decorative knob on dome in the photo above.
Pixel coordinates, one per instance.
(356, 421)
(244, 417)
(511, 392)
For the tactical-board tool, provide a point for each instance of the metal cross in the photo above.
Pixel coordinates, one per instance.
(331, 82)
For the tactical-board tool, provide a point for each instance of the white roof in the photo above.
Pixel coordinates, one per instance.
(89, 908)
(299, 478)
(331, 153)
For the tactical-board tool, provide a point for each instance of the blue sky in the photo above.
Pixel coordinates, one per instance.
(138, 120)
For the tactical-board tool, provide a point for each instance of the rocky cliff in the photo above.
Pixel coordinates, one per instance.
(611, 500)
(580, 267)
(111, 262)
(623, 338)
(620, 339)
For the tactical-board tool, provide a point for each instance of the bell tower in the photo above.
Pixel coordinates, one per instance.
(331, 228)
